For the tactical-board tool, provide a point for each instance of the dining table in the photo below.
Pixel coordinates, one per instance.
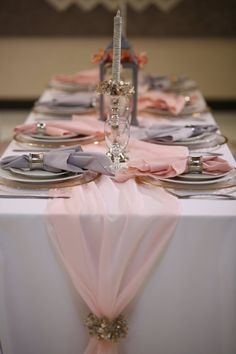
(187, 301)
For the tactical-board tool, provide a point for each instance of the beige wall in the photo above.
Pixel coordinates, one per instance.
(27, 64)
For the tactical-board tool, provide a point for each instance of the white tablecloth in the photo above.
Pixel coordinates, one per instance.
(188, 304)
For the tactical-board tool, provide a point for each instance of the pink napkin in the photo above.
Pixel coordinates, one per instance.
(165, 161)
(84, 125)
(166, 101)
(85, 77)
(215, 164)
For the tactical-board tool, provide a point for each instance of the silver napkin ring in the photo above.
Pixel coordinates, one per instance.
(40, 128)
(195, 164)
(36, 161)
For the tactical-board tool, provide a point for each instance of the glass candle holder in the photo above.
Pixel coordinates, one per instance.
(117, 131)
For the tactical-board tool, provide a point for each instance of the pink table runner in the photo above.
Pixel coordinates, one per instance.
(109, 236)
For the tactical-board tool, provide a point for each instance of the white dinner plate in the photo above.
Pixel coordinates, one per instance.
(182, 85)
(204, 137)
(196, 137)
(54, 137)
(201, 176)
(175, 84)
(77, 139)
(186, 111)
(177, 180)
(197, 107)
(70, 87)
(63, 110)
(203, 141)
(38, 174)
(5, 174)
(178, 142)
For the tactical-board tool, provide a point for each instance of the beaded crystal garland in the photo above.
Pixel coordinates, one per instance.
(105, 329)
(115, 88)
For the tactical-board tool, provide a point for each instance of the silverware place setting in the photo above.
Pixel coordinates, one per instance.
(202, 195)
(33, 196)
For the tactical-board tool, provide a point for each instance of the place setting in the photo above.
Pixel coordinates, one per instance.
(66, 104)
(52, 169)
(175, 168)
(203, 171)
(170, 83)
(196, 186)
(54, 134)
(193, 136)
(82, 81)
(204, 178)
(172, 105)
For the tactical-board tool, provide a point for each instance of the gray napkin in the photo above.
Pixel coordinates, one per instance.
(169, 133)
(158, 82)
(57, 160)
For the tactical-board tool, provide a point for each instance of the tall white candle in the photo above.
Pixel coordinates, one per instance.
(123, 8)
(116, 47)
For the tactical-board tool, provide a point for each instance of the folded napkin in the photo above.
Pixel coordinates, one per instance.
(83, 125)
(83, 100)
(85, 77)
(158, 161)
(169, 133)
(164, 101)
(58, 160)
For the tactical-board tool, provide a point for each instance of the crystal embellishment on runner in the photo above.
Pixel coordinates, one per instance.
(105, 329)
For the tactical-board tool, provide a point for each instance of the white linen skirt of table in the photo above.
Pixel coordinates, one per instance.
(186, 306)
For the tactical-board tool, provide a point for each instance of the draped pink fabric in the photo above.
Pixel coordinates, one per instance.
(109, 236)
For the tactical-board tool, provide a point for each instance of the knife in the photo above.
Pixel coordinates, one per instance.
(32, 196)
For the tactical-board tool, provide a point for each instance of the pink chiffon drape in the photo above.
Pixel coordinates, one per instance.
(109, 236)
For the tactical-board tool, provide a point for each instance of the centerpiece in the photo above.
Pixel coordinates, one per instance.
(118, 92)
(130, 63)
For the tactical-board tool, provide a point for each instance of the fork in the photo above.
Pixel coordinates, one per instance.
(206, 153)
(203, 195)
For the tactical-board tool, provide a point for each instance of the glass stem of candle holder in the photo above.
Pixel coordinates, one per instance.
(116, 134)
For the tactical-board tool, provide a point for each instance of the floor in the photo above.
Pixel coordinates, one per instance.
(10, 118)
